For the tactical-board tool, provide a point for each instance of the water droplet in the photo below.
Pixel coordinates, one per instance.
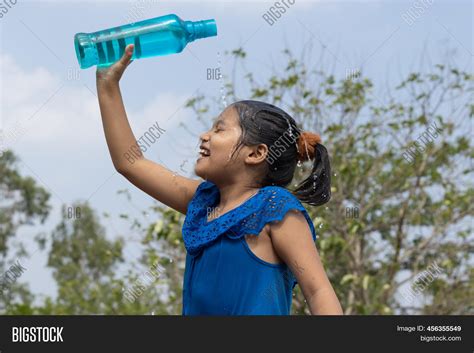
(299, 164)
(221, 81)
(320, 226)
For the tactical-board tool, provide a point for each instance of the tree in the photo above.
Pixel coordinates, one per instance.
(22, 202)
(93, 276)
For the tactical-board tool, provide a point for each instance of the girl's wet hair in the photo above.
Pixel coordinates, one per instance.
(265, 123)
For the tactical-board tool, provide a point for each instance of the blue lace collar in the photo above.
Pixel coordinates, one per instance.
(271, 203)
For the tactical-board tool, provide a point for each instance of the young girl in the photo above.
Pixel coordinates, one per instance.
(248, 239)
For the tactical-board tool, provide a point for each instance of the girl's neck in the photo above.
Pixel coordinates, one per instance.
(232, 196)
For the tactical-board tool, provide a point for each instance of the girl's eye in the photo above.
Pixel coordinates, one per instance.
(217, 129)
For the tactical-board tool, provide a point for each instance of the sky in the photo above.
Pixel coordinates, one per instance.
(49, 105)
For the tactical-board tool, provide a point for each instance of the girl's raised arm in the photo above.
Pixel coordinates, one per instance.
(162, 184)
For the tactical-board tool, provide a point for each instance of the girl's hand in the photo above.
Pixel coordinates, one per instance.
(112, 74)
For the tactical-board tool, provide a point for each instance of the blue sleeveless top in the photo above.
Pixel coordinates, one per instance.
(222, 275)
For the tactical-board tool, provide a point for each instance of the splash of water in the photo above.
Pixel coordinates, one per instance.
(221, 81)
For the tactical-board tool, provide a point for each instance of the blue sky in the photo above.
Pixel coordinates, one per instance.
(52, 106)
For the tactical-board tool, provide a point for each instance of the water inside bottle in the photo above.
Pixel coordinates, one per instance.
(111, 45)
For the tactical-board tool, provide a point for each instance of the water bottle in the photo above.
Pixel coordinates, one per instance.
(156, 36)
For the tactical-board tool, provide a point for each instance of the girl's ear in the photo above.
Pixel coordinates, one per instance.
(257, 154)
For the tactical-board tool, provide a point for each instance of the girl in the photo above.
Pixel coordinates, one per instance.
(248, 239)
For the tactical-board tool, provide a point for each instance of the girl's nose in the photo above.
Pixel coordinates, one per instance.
(204, 136)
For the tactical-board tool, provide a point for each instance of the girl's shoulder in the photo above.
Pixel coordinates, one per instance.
(275, 204)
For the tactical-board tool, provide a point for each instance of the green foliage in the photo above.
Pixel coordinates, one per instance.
(23, 201)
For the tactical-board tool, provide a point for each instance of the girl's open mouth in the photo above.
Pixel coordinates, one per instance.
(204, 152)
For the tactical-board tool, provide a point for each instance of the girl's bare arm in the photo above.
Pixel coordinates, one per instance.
(173, 190)
(294, 244)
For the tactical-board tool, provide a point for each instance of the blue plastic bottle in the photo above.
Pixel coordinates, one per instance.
(157, 36)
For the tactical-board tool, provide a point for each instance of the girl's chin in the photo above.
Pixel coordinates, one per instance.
(201, 173)
(199, 169)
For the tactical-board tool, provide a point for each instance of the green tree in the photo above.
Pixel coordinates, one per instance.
(94, 276)
(23, 202)
(84, 264)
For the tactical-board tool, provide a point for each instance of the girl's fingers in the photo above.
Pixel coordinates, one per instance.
(127, 55)
(114, 72)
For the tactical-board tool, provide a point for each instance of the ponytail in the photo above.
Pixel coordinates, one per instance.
(315, 190)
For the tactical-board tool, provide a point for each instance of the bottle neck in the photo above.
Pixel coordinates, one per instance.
(200, 29)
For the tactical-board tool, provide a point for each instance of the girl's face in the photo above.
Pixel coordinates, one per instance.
(214, 162)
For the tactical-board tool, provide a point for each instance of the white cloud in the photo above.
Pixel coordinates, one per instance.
(40, 107)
